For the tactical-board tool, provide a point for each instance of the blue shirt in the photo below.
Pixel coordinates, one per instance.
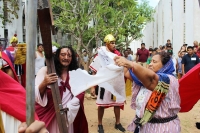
(189, 61)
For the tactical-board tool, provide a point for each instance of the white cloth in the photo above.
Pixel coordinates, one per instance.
(108, 76)
(10, 123)
(72, 104)
(54, 48)
(174, 64)
(39, 62)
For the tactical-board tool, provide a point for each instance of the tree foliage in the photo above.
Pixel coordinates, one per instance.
(10, 8)
(90, 20)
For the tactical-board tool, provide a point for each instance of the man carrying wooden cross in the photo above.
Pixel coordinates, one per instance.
(65, 61)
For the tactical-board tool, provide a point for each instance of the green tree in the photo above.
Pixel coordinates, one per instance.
(10, 8)
(88, 21)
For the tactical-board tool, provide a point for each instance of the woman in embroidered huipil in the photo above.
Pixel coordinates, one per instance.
(155, 95)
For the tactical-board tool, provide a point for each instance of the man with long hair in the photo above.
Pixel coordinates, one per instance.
(65, 61)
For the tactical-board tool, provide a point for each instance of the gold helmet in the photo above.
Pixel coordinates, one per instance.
(109, 38)
(14, 39)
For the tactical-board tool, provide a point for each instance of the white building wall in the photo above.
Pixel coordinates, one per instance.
(169, 21)
(189, 22)
(16, 26)
(1, 25)
(178, 24)
(155, 29)
(134, 45)
(196, 20)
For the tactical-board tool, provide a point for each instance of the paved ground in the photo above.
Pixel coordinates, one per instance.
(188, 120)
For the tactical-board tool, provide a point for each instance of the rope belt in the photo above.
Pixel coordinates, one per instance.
(153, 121)
(157, 120)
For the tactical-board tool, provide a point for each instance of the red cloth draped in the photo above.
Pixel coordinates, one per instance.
(189, 89)
(47, 113)
(12, 97)
(12, 94)
(117, 52)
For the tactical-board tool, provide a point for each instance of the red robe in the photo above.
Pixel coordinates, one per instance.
(47, 113)
(12, 94)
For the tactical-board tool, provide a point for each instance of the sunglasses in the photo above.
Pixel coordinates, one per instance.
(112, 43)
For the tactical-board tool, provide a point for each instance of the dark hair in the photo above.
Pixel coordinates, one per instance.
(58, 66)
(150, 49)
(39, 45)
(165, 57)
(129, 48)
(170, 52)
(190, 47)
(155, 49)
(125, 50)
(142, 44)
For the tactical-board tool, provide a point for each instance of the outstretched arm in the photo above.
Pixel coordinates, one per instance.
(146, 76)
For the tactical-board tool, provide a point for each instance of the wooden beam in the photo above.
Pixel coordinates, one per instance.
(45, 22)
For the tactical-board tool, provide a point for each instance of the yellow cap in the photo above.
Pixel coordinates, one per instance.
(14, 39)
(109, 38)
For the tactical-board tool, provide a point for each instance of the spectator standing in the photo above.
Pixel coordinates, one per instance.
(168, 46)
(195, 44)
(133, 56)
(179, 66)
(126, 55)
(168, 42)
(175, 63)
(84, 61)
(189, 60)
(39, 58)
(129, 54)
(142, 55)
(152, 52)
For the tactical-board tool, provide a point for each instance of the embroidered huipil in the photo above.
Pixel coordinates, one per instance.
(169, 107)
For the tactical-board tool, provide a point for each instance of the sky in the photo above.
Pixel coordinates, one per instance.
(152, 3)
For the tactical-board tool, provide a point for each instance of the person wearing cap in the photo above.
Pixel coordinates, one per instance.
(105, 98)
(39, 58)
(13, 51)
(13, 46)
(142, 55)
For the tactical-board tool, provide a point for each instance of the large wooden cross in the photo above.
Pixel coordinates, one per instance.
(45, 20)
